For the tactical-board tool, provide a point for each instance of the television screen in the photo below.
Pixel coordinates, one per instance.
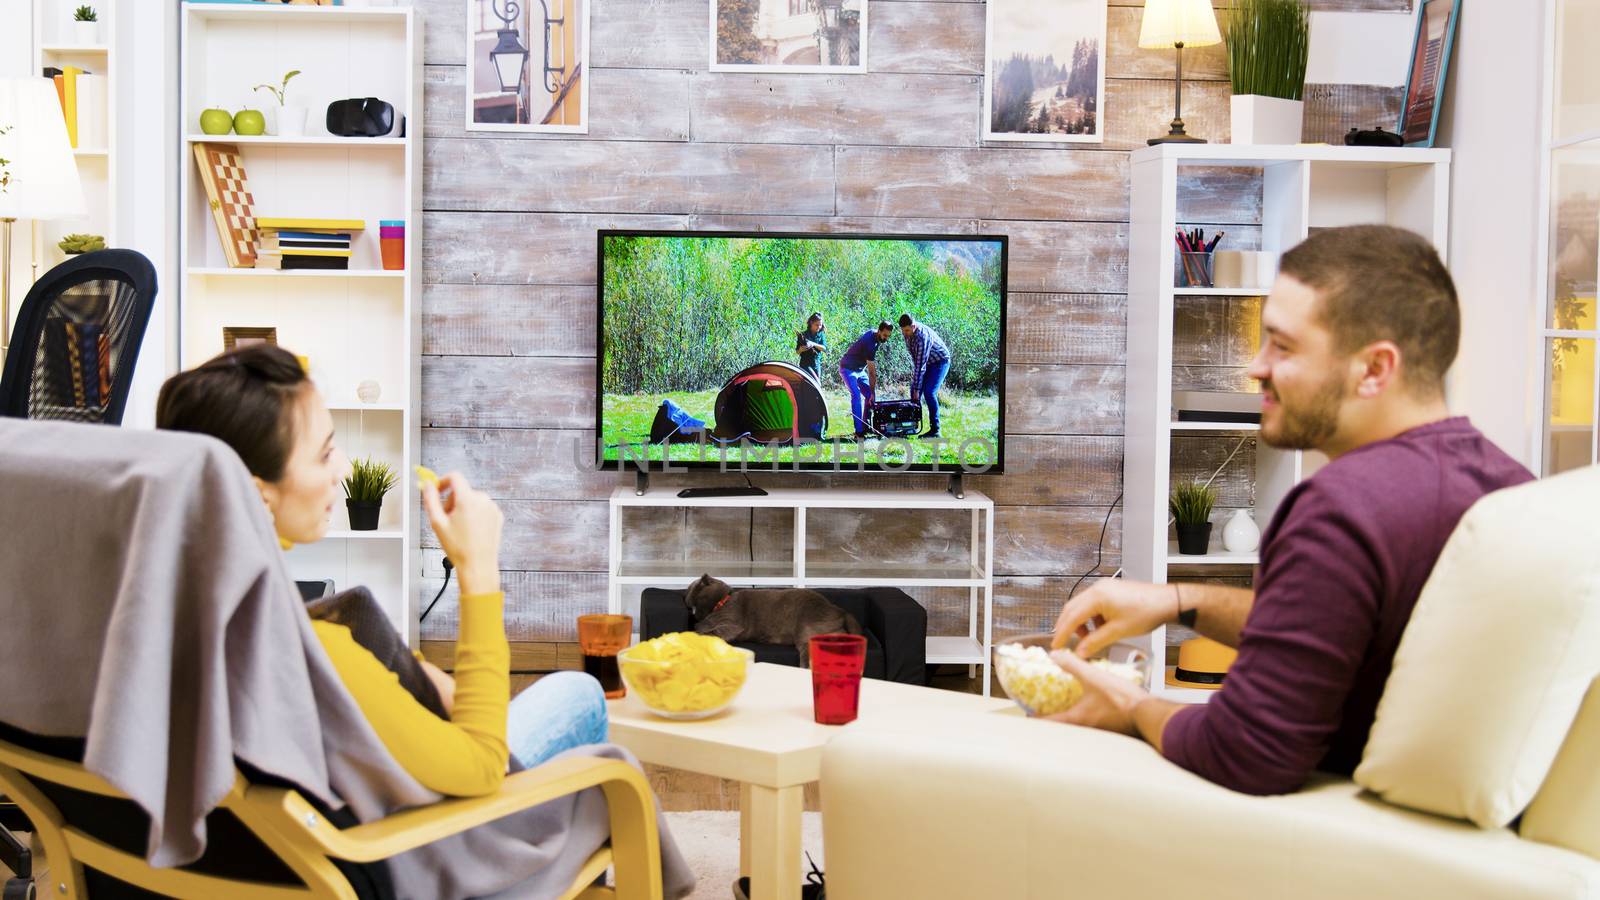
(796, 351)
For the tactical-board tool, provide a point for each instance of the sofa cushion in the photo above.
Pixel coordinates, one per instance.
(1566, 811)
(1501, 648)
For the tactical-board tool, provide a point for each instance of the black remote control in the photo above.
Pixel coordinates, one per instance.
(722, 492)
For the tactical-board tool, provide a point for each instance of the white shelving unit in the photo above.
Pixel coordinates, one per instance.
(1302, 188)
(96, 153)
(977, 575)
(356, 325)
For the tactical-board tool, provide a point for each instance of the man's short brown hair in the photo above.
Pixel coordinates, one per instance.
(1375, 283)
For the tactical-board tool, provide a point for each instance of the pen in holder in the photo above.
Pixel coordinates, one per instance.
(1196, 269)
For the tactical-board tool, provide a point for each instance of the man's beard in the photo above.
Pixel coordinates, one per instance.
(1307, 425)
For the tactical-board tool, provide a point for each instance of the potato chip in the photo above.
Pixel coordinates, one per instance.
(426, 475)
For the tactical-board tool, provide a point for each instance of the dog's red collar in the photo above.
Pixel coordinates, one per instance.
(720, 604)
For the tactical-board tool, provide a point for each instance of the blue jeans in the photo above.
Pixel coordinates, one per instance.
(860, 395)
(560, 711)
(932, 380)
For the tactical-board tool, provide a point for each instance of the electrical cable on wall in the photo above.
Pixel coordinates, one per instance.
(1101, 547)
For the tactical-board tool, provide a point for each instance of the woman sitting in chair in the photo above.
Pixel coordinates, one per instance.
(259, 401)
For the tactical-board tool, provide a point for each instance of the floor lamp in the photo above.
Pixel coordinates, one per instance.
(38, 174)
(1178, 24)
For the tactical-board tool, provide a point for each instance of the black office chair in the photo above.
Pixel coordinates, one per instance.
(72, 357)
(77, 339)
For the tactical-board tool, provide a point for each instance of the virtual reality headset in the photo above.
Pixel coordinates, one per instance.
(362, 117)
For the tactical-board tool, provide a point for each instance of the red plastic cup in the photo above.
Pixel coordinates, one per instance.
(836, 664)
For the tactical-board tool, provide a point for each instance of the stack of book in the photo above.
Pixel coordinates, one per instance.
(305, 243)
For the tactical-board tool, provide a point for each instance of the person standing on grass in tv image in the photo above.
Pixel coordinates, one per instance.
(810, 344)
(1357, 336)
(930, 363)
(858, 367)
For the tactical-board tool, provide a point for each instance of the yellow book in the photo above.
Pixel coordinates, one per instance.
(266, 223)
(70, 101)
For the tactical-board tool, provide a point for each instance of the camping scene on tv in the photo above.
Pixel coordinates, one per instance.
(809, 351)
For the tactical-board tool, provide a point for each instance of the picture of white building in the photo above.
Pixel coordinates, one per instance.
(778, 35)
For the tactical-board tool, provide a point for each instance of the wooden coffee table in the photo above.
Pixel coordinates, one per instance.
(768, 743)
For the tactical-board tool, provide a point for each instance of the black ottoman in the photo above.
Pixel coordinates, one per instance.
(896, 625)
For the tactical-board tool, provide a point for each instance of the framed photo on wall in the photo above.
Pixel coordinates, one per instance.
(1430, 60)
(1044, 70)
(526, 72)
(788, 35)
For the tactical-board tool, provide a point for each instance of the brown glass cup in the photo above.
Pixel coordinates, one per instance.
(601, 637)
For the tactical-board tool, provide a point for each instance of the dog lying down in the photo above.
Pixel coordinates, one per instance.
(773, 616)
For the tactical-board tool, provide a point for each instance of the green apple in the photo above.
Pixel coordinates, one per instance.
(216, 121)
(249, 122)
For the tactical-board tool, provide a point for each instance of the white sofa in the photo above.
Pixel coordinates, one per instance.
(1485, 715)
(1004, 807)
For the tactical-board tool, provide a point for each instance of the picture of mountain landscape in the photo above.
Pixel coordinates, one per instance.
(1046, 77)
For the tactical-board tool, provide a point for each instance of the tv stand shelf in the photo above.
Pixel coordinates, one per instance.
(977, 576)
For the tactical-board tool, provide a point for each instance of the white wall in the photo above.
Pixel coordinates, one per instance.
(1491, 119)
(148, 203)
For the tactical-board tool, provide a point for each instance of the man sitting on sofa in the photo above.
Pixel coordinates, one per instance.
(1357, 335)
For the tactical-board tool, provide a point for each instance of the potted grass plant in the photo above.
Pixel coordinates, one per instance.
(364, 487)
(1268, 41)
(1190, 504)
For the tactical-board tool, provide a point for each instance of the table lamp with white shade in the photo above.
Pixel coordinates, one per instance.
(38, 174)
(1178, 24)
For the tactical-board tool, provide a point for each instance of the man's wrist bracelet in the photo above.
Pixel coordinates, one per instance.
(1186, 617)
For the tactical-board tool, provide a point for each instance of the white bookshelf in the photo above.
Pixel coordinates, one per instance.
(54, 44)
(800, 570)
(1302, 187)
(356, 325)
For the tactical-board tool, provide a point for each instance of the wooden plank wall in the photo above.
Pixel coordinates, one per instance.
(509, 269)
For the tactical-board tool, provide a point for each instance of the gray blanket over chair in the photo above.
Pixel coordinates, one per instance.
(151, 613)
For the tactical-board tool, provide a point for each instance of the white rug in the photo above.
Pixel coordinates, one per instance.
(710, 842)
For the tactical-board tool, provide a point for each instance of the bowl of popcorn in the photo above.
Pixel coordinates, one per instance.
(1035, 682)
(685, 675)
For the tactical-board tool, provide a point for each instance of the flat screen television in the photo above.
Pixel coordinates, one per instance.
(706, 357)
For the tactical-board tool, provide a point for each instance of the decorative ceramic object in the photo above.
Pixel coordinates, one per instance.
(1227, 269)
(1241, 535)
(291, 120)
(249, 122)
(1266, 120)
(368, 391)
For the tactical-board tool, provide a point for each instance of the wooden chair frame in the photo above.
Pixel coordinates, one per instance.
(307, 843)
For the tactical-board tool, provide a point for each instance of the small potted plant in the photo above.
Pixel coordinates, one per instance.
(1190, 504)
(1268, 41)
(85, 26)
(290, 119)
(364, 487)
(74, 244)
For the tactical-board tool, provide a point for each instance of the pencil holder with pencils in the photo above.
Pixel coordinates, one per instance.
(1194, 269)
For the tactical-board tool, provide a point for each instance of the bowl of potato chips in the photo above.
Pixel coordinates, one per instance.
(1033, 680)
(685, 675)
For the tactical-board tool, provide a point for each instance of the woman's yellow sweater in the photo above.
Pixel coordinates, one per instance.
(466, 755)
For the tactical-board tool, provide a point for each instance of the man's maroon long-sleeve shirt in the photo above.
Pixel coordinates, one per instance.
(1342, 564)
